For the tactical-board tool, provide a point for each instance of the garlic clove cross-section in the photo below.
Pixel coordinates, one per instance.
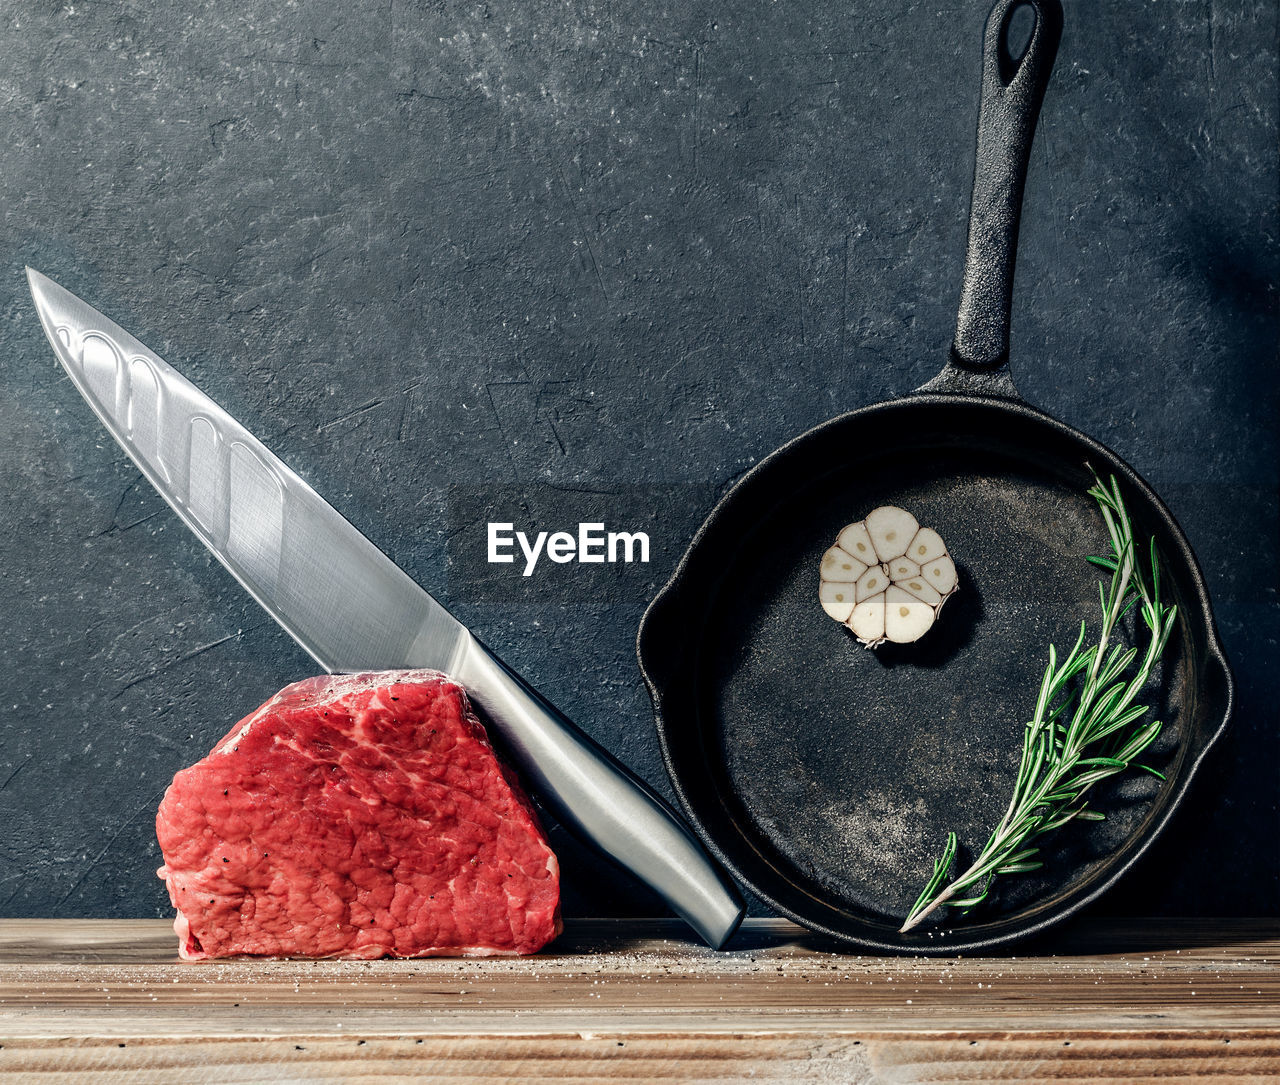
(903, 569)
(841, 567)
(855, 540)
(927, 544)
(941, 573)
(867, 621)
(872, 582)
(891, 530)
(887, 577)
(906, 618)
(922, 590)
(837, 600)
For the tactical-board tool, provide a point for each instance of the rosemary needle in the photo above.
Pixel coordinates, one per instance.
(1085, 728)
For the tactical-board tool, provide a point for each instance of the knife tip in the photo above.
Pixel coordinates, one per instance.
(47, 294)
(36, 279)
(50, 299)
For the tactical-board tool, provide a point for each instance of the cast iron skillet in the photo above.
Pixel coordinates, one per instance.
(826, 776)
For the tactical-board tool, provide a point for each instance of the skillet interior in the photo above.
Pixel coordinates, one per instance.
(826, 776)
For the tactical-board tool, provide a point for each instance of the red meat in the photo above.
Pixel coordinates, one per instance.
(357, 816)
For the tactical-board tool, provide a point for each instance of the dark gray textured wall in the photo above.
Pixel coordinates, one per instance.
(451, 260)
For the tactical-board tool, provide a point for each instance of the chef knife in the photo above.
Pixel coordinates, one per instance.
(352, 607)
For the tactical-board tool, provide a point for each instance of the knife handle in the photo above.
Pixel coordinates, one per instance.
(600, 800)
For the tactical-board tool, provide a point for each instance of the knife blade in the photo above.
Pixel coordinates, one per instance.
(351, 607)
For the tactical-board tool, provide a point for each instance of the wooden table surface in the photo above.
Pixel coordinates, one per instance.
(1159, 1000)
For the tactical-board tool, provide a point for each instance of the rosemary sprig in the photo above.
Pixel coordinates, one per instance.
(1085, 729)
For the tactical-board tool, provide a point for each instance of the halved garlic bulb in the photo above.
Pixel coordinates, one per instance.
(887, 577)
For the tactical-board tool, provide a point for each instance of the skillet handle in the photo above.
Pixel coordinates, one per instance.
(1012, 90)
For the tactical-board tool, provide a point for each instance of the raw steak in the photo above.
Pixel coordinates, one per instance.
(360, 816)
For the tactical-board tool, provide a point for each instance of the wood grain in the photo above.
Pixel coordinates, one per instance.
(1155, 1001)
